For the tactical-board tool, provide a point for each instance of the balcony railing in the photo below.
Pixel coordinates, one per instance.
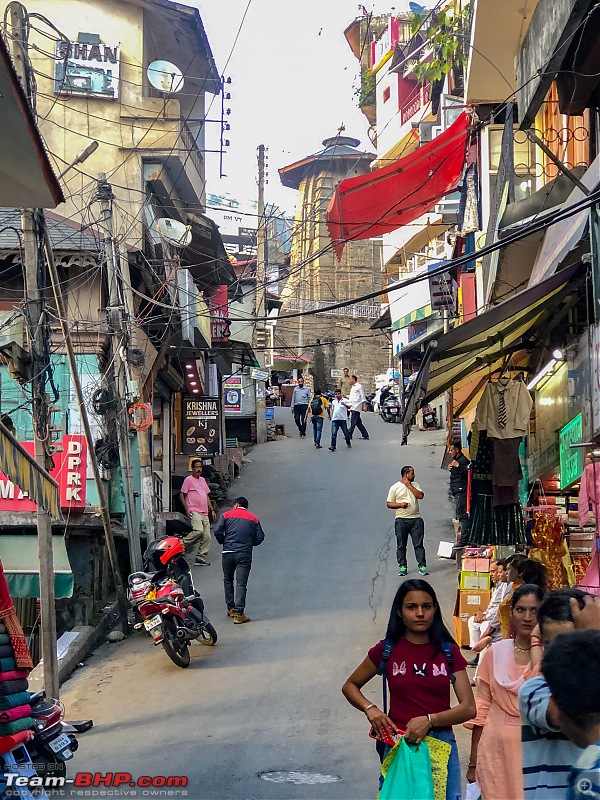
(356, 311)
(189, 144)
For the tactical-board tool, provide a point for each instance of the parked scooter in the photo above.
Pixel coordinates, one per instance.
(51, 746)
(172, 610)
(430, 420)
(389, 409)
(370, 402)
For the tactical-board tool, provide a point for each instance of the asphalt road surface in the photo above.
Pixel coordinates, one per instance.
(267, 698)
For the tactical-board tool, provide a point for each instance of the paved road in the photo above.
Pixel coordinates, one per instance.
(267, 698)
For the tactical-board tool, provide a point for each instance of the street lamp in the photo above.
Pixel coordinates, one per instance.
(83, 156)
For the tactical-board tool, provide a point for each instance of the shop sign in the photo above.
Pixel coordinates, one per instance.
(232, 394)
(201, 426)
(259, 374)
(70, 473)
(219, 314)
(413, 107)
(595, 379)
(571, 458)
(86, 68)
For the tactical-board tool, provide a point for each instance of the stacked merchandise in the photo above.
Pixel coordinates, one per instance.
(501, 421)
(583, 542)
(474, 591)
(16, 722)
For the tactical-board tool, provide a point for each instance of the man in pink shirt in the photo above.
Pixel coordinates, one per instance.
(195, 499)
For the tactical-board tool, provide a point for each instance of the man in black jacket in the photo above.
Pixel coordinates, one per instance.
(459, 476)
(238, 531)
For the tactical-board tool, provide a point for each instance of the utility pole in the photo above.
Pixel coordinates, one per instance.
(108, 534)
(36, 314)
(118, 350)
(260, 329)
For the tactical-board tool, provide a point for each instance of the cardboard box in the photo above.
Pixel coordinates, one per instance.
(461, 630)
(475, 580)
(469, 565)
(482, 565)
(470, 601)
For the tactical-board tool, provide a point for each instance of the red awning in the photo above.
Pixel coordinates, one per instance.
(387, 198)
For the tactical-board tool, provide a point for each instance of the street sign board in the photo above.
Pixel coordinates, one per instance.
(571, 458)
(336, 373)
(232, 394)
(201, 426)
(259, 374)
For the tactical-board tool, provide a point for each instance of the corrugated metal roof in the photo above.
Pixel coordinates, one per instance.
(64, 234)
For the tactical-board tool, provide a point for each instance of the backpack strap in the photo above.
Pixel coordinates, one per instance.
(447, 651)
(388, 646)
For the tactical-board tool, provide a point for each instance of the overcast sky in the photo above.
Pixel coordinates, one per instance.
(293, 84)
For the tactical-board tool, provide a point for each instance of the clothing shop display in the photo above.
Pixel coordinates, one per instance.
(589, 492)
(504, 409)
(506, 469)
(9, 619)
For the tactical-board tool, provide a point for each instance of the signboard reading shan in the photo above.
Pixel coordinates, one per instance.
(201, 426)
(87, 68)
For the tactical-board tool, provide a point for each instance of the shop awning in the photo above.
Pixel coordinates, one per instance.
(418, 341)
(283, 363)
(382, 322)
(480, 346)
(232, 352)
(387, 198)
(24, 471)
(19, 556)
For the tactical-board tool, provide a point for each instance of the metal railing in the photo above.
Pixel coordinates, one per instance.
(189, 144)
(356, 311)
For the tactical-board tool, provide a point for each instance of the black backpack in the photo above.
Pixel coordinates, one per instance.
(316, 406)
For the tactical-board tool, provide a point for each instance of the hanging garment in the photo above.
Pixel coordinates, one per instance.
(9, 619)
(495, 525)
(505, 495)
(589, 492)
(506, 466)
(591, 581)
(504, 409)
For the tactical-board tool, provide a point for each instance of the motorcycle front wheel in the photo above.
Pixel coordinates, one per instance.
(177, 651)
(208, 634)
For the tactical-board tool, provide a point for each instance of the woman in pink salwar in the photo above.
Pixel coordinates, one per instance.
(496, 761)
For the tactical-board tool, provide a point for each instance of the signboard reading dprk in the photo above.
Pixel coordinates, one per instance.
(571, 458)
(201, 426)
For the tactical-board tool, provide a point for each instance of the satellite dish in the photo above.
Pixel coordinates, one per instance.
(165, 77)
(174, 232)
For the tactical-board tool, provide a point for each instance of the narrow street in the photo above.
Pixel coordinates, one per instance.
(267, 697)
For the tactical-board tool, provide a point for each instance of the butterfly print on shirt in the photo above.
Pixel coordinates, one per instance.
(399, 670)
(439, 670)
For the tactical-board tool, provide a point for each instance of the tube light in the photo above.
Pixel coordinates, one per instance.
(541, 374)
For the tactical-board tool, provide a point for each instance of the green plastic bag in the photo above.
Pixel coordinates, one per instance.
(407, 772)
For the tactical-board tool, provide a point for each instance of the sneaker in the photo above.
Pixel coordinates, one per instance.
(201, 562)
(348, 444)
(365, 438)
(332, 449)
(318, 446)
(239, 619)
(423, 570)
(402, 572)
(231, 612)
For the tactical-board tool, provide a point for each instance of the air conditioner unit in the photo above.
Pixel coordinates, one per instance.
(11, 329)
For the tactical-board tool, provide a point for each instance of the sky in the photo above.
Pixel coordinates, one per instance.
(293, 80)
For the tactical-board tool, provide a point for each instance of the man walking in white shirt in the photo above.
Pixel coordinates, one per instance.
(404, 498)
(357, 404)
(339, 419)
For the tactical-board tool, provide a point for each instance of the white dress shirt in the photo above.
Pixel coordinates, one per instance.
(357, 397)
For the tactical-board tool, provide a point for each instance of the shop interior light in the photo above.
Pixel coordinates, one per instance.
(193, 383)
(558, 354)
(541, 374)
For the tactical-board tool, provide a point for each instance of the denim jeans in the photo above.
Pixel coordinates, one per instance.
(454, 783)
(415, 528)
(317, 423)
(236, 565)
(337, 424)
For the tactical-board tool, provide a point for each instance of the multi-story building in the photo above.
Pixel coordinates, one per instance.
(318, 278)
(137, 78)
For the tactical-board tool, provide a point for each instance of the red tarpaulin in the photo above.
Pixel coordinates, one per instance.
(387, 198)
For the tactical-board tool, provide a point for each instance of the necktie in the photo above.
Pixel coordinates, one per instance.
(501, 410)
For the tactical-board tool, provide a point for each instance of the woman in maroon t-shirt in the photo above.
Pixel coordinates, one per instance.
(419, 677)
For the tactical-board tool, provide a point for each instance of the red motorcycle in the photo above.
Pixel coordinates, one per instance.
(172, 610)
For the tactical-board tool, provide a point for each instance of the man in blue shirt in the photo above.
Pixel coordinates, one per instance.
(299, 405)
(571, 666)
